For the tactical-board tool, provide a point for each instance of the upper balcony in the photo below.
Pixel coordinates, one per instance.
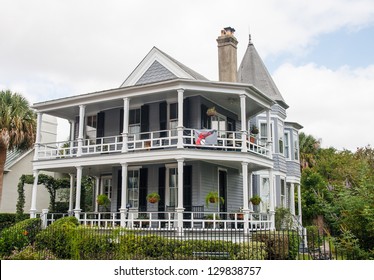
(143, 142)
(167, 114)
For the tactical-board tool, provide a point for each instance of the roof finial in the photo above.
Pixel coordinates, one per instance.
(249, 35)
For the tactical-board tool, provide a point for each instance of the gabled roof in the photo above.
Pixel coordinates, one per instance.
(13, 157)
(158, 66)
(253, 71)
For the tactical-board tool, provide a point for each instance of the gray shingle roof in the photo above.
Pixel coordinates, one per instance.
(252, 70)
(191, 72)
(158, 71)
(155, 73)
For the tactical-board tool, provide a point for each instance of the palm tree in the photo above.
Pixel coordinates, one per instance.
(17, 127)
(309, 147)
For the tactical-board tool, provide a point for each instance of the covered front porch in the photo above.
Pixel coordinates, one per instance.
(183, 183)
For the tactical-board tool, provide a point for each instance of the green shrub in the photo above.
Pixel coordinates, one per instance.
(283, 219)
(313, 237)
(282, 245)
(92, 244)
(187, 248)
(9, 219)
(57, 237)
(31, 253)
(147, 247)
(19, 235)
(252, 251)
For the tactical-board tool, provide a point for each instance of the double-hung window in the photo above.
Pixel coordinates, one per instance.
(133, 188)
(134, 124)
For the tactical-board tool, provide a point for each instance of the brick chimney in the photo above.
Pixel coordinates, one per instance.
(227, 58)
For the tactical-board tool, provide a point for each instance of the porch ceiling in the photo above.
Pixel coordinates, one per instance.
(223, 94)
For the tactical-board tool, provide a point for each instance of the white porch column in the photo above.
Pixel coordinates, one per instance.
(180, 118)
(244, 132)
(71, 197)
(97, 186)
(77, 208)
(82, 109)
(271, 198)
(245, 186)
(250, 193)
(245, 196)
(124, 185)
(34, 193)
(292, 199)
(299, 203)
(180, 207)
(125, 131)
(39, 121)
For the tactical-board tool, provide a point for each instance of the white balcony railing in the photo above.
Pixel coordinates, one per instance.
(226, 140)
(168, 220)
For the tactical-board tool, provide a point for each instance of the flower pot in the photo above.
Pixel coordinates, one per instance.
(153, 200)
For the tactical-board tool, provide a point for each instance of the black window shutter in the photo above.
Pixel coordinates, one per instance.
(143, 189)
(121, 121)
(76, 128)
(186, 112)
(161, 191)
(119, 189)
(187, 187)
(100, 124)
(144, 121)
(163, 117)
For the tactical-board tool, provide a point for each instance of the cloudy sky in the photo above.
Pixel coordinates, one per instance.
(320, 53)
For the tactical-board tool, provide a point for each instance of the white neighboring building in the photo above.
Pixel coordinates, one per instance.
(20, 163)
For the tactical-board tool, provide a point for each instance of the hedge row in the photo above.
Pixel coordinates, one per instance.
(65, 239)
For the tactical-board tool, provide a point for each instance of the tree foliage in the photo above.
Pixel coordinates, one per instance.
(339, 186)
(17, 127)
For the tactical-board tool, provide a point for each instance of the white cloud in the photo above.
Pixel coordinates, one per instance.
(336, 106)
(51, 49)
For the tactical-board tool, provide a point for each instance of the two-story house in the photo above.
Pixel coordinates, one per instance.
(169, 130)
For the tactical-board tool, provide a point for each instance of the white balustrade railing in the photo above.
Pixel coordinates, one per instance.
(226, 140)
(169, 220)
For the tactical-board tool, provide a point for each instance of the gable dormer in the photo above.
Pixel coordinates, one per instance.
(157, 66)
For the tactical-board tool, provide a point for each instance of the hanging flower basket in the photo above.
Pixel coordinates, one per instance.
(153, 197)
(213, 197)
(255, 200)
(211, 112)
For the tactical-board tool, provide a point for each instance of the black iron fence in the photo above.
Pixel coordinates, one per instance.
(69, 241)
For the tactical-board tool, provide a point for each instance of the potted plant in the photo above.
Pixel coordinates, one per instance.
(213, 197)
(255, 200)
(103, 201)
(211, 111)
(153, 197)
(254, 131)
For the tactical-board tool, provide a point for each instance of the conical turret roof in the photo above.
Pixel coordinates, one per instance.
(252, 70)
